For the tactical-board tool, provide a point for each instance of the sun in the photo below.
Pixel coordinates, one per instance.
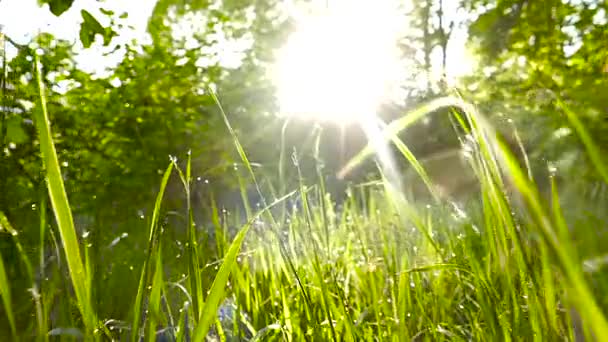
(341, 64)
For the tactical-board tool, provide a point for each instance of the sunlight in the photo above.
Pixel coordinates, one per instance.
(340, 65)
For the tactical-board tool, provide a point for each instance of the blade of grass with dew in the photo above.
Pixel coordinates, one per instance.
(152, 248)
(192, 243)
(154, 308)
(494, 157)
(61, 208)
(5, 290)
(216, 293)
(237, 144)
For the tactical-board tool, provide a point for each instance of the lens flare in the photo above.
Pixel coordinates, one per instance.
(340, 65)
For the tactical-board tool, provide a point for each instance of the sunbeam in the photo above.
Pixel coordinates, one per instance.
(339, 65)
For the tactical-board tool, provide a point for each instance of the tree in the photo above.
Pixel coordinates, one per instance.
(537, 60)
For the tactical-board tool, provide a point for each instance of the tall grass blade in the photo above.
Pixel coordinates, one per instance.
(239, 147)
(61, 208)
(194, 275)
(580, 293)
(397, 126)
(154, 307)
(151, 252)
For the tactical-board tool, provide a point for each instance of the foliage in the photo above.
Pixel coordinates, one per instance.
(320, 263)
(57, 7)
(537, 55)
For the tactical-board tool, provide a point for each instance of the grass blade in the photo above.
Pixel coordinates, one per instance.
(61, 208)
(152, 248)
(154, 308)
(192, 240)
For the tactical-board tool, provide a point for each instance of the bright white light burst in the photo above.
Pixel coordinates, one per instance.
(340, 65)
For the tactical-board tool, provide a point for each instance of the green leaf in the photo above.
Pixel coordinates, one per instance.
(107, 12)
(57, 7)
(89, 28)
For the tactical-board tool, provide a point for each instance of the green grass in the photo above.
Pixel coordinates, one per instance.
(63, 213)
(379, 267)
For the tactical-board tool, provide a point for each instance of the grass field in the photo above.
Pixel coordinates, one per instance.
(507, 265)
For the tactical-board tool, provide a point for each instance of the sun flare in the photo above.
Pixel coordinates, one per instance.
(341, 64)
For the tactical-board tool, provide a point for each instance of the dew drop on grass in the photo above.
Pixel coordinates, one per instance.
(552, 170)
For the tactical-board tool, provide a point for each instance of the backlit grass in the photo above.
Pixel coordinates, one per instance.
(370, 266)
